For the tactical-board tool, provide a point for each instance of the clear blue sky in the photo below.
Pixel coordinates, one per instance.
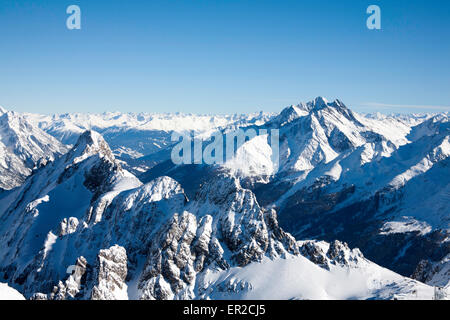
(223, 56)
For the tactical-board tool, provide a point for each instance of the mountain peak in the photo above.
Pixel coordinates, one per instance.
(90, 137)
(293, 112)
(89, 143)
(290, 113)
(320, 102)
(3, 110)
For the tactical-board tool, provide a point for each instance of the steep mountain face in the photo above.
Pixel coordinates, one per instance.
(396, 210)
(82, 227)
(435, 274)
(379, 183)
(23, 147)
(53, 201)
(316, 134)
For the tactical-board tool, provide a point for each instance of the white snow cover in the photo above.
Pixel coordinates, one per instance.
(65, 125)
(326, 140)
(406, 224)
(298, 278)
(253, 159)
(23, 146)
(58, 193)
(317, 134)
(8, 293)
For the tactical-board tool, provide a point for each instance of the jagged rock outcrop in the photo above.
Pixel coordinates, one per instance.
(224, 217)
(314, 253)
(70, 288)
(110, 275)
(434, 273)
(336, 253)
(247, 230)
(340, 253)
(106, 280)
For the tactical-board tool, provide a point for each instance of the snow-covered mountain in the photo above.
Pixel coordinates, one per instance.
(318, 132)
(374, 181)
(65, 188)
(23, 147)
(67, 127)
(123, 240)
(322, 271)
(83, 227)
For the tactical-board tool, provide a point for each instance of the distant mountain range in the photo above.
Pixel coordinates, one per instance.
(98, 195)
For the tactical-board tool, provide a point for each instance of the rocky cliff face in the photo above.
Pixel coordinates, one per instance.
(434, 273)
(223, 227)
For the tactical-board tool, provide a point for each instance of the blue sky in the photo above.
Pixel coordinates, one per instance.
(224, 56)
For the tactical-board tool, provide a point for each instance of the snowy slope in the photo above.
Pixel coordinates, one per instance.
(371, 180)
(8, 293)
(23, 147)
(298, 278)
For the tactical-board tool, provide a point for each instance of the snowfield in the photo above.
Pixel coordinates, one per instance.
(299, 278)
(8, 293)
